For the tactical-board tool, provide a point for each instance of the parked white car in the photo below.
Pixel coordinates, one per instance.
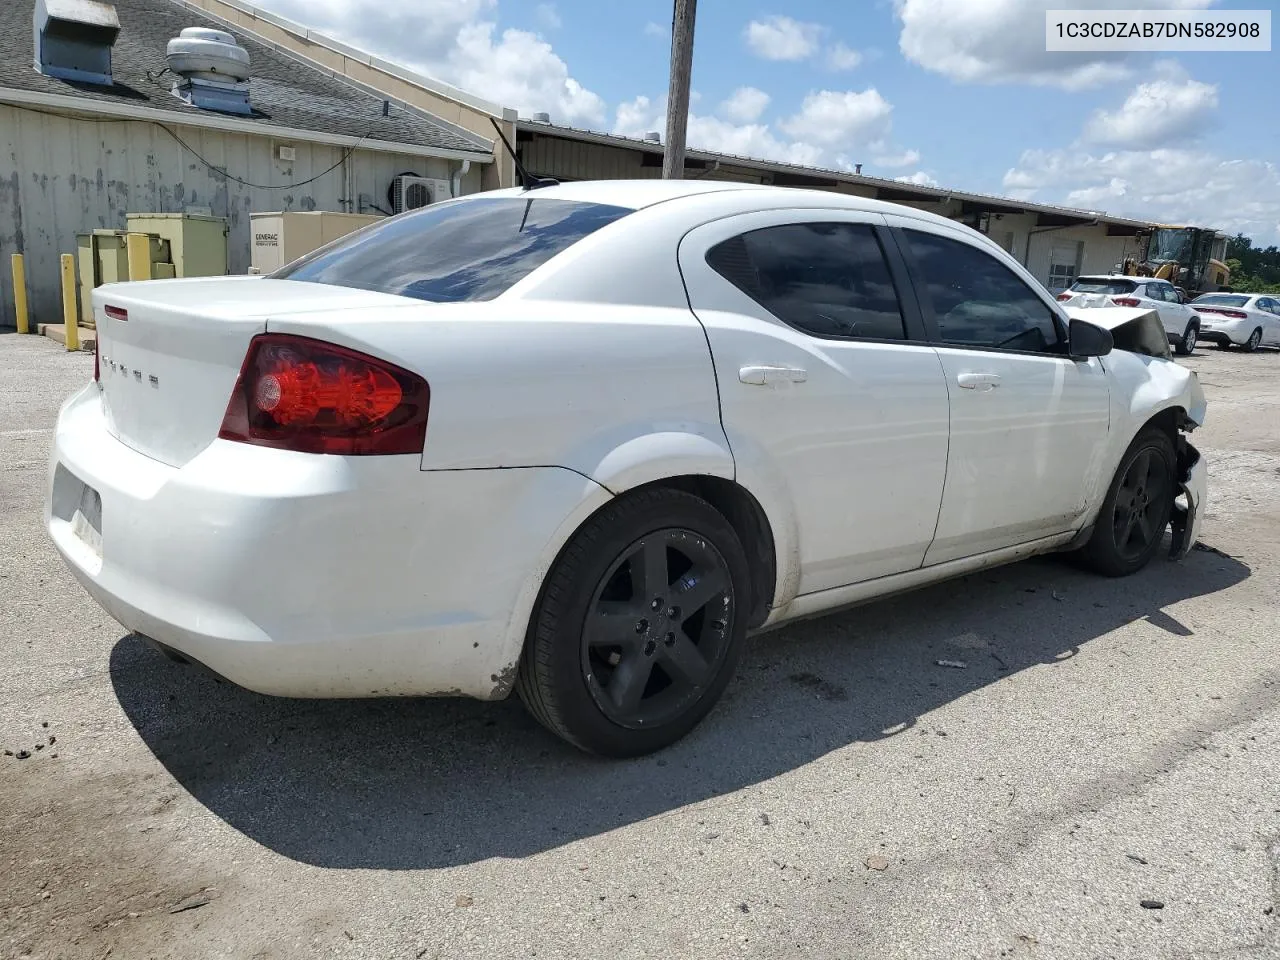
(1181, 323)
(578, 441)
(1248, 320)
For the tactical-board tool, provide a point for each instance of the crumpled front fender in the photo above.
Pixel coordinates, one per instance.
(1193, 485)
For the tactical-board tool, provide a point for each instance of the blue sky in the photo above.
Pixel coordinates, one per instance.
(955, 92)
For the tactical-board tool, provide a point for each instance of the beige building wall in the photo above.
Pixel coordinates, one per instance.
(439, 99)
(74, 175)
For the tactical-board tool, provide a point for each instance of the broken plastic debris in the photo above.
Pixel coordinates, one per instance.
(953, 664)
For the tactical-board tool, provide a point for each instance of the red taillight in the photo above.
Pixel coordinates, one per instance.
(295, 393)
(1233, 314)
(1126, 301)
(1065, 295)
(116, 313)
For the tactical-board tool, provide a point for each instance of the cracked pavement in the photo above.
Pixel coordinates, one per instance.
(1106, 743)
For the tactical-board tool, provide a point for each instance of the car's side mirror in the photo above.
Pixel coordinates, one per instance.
(1086, 339)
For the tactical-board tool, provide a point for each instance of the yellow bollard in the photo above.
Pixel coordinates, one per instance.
(20, 292)
(69, 311)
(139, 249)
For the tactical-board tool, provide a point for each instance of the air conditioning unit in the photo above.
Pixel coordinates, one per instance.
(411, 193)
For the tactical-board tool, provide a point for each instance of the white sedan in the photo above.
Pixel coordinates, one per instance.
(578, 441)
(1248, 320)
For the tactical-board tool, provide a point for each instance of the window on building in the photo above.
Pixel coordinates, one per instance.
(978, 301)
(827, 279)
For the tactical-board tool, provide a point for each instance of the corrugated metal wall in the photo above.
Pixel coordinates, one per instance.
(62, 176)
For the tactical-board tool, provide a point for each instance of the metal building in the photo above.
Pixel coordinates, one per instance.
(80, 147)
(1055, 243)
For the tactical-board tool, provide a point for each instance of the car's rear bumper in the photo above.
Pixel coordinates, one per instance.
(301, 574)
(1224, 333)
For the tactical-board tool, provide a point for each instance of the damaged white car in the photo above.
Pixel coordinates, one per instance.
(577, 441)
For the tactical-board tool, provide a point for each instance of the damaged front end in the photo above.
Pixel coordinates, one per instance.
(1188, 507)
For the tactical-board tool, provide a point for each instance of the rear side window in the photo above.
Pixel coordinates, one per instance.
(473, 250)
(827, 279)
(977, 300)
(1102, 285)
(1221, 300)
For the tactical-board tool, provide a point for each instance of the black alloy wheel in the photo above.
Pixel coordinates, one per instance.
(1136, 510)
(640, 623)
(1140, 505)
(657, 628)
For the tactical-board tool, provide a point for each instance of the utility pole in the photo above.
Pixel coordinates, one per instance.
(678, 92)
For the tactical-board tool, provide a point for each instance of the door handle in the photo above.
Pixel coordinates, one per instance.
(764, 375)
(978, 381)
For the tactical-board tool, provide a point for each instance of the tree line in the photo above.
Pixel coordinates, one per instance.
(1253, 269)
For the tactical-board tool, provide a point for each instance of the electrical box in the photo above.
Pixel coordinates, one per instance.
(280, 238)
(197, 243)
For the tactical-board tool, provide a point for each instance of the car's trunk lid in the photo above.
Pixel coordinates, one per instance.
(170, 351)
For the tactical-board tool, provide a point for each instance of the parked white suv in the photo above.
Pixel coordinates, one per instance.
(1181, 323)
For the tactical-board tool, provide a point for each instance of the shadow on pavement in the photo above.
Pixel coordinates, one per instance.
(401, 784)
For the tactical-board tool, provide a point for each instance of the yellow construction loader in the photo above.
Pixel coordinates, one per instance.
(1183, 256)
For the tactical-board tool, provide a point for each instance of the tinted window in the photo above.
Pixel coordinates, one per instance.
(1103, 285)
(1221, 300)
(979, 301)
(473, 250)
(828, 279)
(1162, 291)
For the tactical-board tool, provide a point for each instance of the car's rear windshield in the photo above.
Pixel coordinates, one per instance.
(1103, 285)
(1221, 300)
(472, 250)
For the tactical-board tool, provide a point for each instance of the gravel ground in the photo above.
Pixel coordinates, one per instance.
(1108, 743)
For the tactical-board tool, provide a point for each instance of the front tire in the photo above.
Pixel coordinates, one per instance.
(1188, 342)
(1255, 338)
(1139, 502)
(640, 625)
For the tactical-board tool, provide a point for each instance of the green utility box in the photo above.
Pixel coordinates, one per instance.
(103, 257)
(197, 243)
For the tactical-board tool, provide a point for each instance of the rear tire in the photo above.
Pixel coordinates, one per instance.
(640, 625)
(1189, 339)
(1137, 508)
(1255, 338)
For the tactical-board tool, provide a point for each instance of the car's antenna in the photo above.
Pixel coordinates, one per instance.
(527, 180)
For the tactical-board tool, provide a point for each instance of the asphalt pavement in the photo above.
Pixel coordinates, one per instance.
(1099, 778)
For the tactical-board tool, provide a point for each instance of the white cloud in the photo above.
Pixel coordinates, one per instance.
(907, 158)
(1154, 169)
(548, 16)
(1171, 185)
(842, 57)
(919, 178)
(1157, 113)
(745, 105)
(655, 29)
(635, 117)
(831, 129)
(458, 42)
(1003, 41)
(781, 38)
(841, 118)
